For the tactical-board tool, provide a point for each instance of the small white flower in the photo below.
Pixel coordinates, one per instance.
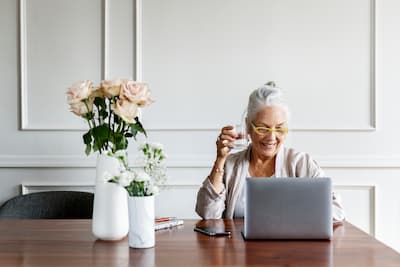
(152, 190)
(142, 177)
(157, 146)
(126, 178)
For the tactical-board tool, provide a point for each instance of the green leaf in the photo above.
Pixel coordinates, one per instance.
(88, 149)
(100, 136)
(136, 189)
(95, 146)
(87, 137)
(136, 128)
(101, 131)
(120, 141)
(87, 140)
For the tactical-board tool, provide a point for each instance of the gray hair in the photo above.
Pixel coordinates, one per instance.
(265, 96)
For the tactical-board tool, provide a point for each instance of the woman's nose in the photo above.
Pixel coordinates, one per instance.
(270, 136)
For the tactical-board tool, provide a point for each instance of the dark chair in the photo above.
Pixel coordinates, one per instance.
(49, 205)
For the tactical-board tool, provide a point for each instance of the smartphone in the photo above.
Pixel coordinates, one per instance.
(211, 231)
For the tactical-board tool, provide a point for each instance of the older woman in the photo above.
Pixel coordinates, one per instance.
(222, 194)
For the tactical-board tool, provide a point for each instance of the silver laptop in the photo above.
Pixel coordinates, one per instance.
(288, 208)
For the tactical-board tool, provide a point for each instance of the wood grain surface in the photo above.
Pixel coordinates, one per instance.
(70, 243)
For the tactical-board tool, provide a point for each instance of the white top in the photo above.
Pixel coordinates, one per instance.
(289, 163)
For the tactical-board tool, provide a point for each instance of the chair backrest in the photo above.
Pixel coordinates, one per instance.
(49, 205)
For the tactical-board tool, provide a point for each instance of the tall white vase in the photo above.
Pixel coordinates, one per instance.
(110, 209)
(141, 222)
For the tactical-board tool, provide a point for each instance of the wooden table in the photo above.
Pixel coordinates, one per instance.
(70, 243)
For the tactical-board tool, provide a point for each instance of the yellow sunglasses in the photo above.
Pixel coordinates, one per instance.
(261, 130)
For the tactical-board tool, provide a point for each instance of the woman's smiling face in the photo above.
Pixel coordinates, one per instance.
(266, 142)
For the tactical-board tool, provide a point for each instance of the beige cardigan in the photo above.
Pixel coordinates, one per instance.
(289, 163)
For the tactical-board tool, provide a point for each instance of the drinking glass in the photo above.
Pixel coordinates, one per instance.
(241, 141)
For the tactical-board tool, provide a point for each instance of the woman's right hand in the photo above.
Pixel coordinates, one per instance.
(225, 141)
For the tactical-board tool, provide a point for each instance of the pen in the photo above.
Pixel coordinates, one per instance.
(167, 224)
(164, 219)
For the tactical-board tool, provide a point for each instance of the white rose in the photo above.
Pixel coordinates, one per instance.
(81, 108)
(142, 177)
(79, 91)
(125, 110)
(111, 88)
(136, 92)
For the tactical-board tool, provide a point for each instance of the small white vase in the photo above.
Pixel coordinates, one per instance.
(141, 222)
(110, 208)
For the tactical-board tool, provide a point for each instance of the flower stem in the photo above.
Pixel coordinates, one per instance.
(109, 122)
(123, 127)
(91, 126)
(120, 125)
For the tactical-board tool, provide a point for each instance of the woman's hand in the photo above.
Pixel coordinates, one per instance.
(225, 141)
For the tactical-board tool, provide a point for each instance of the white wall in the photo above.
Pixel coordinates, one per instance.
(336, 60)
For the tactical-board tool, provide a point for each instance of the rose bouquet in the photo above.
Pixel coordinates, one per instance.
(112, 113)
(111, 110)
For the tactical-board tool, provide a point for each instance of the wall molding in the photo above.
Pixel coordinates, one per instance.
(371, 189)
(25, 125)
(138, 40)
(185, 161)
(304, 128)
(32, 187)
(24, 117)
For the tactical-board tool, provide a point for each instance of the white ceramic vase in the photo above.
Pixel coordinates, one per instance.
(141, 222)
(110, 209)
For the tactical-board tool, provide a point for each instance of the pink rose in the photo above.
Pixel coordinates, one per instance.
(128, 111)
(81, 108)
(79, 91)
(136, 92)
(111, 88)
